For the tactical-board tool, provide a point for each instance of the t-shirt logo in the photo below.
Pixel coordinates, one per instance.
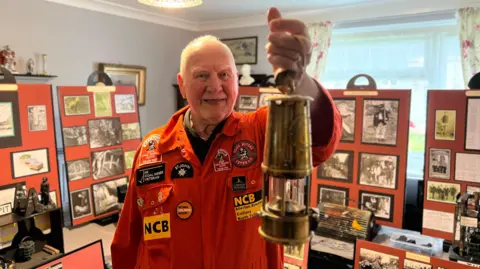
(222, 161)
(182, 170)
(244, 153)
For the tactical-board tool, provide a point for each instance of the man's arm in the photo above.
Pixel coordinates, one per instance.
(127, 236)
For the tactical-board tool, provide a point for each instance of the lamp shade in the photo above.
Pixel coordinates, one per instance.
(171, 3)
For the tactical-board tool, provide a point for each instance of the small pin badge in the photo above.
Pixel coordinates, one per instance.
(140, 202)
(160, 197)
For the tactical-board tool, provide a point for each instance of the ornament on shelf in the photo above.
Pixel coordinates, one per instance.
(7, 59)
(44, 56)
(30, 66)
(246, 79)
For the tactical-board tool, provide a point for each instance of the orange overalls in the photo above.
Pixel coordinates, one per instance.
(181, 214)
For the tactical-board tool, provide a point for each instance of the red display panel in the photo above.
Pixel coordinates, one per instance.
(28, 151)
(101, 131)
(444, 149)
(89, 256)
(369, 252)
(370, 163)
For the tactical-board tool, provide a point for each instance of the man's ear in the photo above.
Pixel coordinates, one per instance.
(180, 85)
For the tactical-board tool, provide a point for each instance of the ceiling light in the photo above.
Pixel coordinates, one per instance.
(171, 3)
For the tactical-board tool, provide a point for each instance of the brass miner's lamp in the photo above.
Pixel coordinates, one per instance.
(287, 166)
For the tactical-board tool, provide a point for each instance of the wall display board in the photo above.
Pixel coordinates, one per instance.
(373, 255)
(89, 256)
(28, 151)
(101, 132)
(369, 166)
(452, 157)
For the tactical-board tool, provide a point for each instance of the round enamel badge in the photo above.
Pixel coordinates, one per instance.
(244, 153)
(184, 210)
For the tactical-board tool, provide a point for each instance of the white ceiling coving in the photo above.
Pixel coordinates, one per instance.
(225, 14)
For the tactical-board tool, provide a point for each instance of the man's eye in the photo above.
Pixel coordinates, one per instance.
(202, 76)
(224, 75)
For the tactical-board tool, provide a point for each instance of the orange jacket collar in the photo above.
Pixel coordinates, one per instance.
(174, 135)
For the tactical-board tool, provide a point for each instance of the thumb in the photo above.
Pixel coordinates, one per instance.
(273, 13)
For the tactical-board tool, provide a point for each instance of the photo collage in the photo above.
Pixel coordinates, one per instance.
(366, 168)
(99, 152)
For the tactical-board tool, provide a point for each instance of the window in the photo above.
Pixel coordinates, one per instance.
(418, 56)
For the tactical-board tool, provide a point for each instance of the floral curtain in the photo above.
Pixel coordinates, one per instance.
(469, 21)
(320, 34)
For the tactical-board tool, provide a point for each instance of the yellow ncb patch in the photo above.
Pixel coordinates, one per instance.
(156, 227)
(246, 206)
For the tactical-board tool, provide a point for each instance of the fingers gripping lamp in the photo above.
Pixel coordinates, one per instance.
(287, 167)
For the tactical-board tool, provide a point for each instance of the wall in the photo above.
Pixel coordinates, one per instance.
(76, 39)
(262, 66)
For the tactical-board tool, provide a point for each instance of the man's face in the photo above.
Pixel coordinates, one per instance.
(210, 82)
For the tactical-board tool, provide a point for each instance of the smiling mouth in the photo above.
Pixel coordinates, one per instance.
(213, 101)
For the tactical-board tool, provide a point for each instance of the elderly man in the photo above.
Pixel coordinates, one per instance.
(180, 210)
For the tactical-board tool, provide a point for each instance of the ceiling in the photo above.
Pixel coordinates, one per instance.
(227, 14)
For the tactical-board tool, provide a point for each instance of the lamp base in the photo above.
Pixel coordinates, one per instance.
(286, 230)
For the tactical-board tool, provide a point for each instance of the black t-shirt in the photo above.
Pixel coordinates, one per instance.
(200, 146)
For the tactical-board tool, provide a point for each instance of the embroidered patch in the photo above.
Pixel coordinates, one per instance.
(149, 153)
(244, 153)
(239, 183)
(182, 170)
(184, 210)
(149, 175)
(156, 227)
(222, 161)
(246, 206)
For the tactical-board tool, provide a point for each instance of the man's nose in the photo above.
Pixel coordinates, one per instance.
(215, 84)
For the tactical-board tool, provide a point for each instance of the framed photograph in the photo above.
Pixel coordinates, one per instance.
(380, 122)
(30, 162)
(102, 102)
(107, 163)
(75, 136)
(472, 189)
(338, 167)
(467, 167)
(131, 131)
(78, 169)
(409, 264)
(346, 107)
(332, 195)
(8, 196)
(81, 203)
(244, 49)
(104, 132)
(124, 103)
(129, 157)
(442, 192)
(77, 105)
(378, 170)
(380, 204)
(439, 163)
(296, 252)
(263, 97)
(130, 75)
(472, 133)
(445, 121)
(287, 265)
(105, 195)
(37, 118)
(10, 132)
(248, 102)
(374, 259)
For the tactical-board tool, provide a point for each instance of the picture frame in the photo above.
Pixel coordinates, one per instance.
(369, 257)
(30, 162)
(347, 108)
(380, 121)
(339, 167)
(10, 129)
(105, 195)
(439, 163)
(81, 203)
(445, 124)
(381, 204)
(130, 75)
(375, 170)
(244, 49)
(331, 194)
(442, 192)
(472, 136)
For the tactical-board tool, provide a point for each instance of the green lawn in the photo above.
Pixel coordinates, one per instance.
(416, 143)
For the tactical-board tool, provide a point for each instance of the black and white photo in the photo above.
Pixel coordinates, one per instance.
(409, 264)
(346, 107)
(263, 98)
(380, 121)
(7, 128)
(131, 131)
(37, 118)
(104, 132)
(75, 136)
(378, 170)
(338, 167)
(124, 103)
(81, 205)
(248, 102)
(370, 259)
(332, 195)
(107, 163)
(78, 169)
(380, 204)
(442, 192)
(445, 124)
(296, 251)
(105, 195)
(440, 163)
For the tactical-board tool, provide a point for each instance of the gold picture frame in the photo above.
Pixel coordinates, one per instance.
(133, 75)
